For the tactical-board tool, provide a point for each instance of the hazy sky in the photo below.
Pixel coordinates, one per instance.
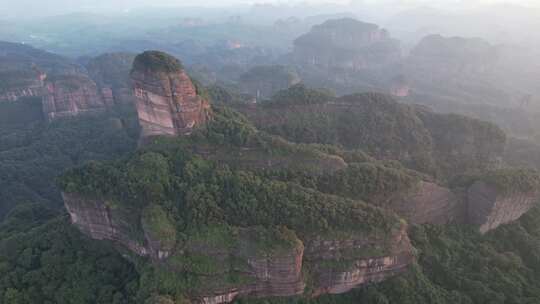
(29, 8)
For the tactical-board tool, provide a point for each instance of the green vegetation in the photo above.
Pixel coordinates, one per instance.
(277, 73)
(463, 144)
(17, 79)
(367, 181)
(457, 265)
(374, 123)
(45, 259)
(299, 94)
(111, 69)
(512, 180)
(437, 144)
(156, 61)
(33, 153)
(23, 112)
(157, 224)
(221, 216)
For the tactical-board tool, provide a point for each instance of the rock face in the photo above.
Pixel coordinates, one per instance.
(71, 95)
(488, 208)
(166, 98)
(342, 265)
(427, 203)
(337, 264)
(267, 274)
(20, 83)
(98, 220)
(347, 44)
(111, 73)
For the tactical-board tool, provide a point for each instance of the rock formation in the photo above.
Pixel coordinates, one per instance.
(337, 264)
(19, 83)
(166, 99)
(111, 73)
(97, 219)
(346, 43)
(342, 265)
(427, 203)
(489, 208)
(71, 95)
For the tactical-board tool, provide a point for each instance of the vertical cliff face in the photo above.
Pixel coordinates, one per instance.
(338, 266)
(247, 262)
(427, 203)
(71, 95)
(166, 98)
(110, 71)
(99, 220)
(489, 208)
(18, 84)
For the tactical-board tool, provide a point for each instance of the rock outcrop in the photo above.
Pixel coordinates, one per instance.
(427, 203)
(339, 266)
(166, 99)
(239, 264)
(71, 95)
(99, 220)
(489, 208)
(20, 83)
(111, 73)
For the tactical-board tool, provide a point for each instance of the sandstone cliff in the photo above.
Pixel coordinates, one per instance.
(111, 71)
(16, 84)
(340, 265)
(427, 203)
(489, 207)
(71, 95)
(166, 99)
(250, 262)
(101, 221)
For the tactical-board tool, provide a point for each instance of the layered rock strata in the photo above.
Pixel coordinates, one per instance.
(99, 220)
(427, 203)
(166, 100)
(489, 208)
(337, 264)
(71, 95)
(19, 84)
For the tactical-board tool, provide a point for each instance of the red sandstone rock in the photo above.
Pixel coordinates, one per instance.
(426, 203)
(271, 273)
(489, 209)
(167, 102)
(71, 95)
(339, 265)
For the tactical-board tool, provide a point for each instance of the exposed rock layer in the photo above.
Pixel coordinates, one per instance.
(71, 95)
(99, 221)
(488, 208)
(167, 103)
(275, 272)
(427, 203)
(342, 265)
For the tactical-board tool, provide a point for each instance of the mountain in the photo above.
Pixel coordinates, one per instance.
(346, 43)
(167, 101)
